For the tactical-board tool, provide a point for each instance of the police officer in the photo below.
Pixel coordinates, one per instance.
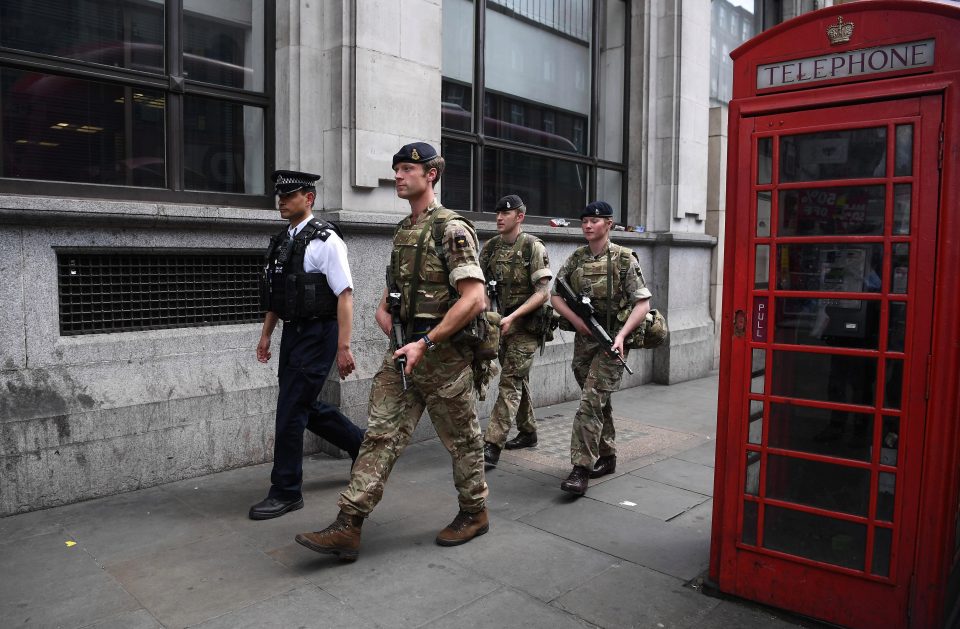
(307, 283)
(518, 264)
(434, 266)
(589, 270)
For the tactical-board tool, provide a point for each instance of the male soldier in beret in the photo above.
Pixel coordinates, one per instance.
(307, 283)
(519, 265)
(433, 265)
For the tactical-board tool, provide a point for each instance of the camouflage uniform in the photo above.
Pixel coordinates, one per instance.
(524, 265)
(442, 381)
(597, 373)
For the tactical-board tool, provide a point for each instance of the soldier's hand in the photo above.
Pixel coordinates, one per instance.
(384, 320)
(505, 324)
(345, 362)
(263, 349)
(414, 352)
(618, 345)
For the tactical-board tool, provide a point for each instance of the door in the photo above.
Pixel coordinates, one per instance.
(825, 415)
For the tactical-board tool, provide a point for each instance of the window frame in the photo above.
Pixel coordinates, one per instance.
(175, 88)
(479, 140)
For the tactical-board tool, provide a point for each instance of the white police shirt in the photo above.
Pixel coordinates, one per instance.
(328, 257)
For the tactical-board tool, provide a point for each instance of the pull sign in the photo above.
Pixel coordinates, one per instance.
(760, 319)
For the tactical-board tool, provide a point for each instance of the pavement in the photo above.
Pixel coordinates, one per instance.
(631, 553)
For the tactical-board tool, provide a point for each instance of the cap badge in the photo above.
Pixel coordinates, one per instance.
(841, 32)
(415, 155)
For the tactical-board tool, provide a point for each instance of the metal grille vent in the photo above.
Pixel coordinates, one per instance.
(121, 291)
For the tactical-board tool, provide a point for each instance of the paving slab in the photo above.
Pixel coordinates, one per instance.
(508, 608)
(514, 495)
(140, 619)
(698, 519)
(634, 596)
(46, 583)
(192, 583)
(631, 536)
(537, 563)
(704, 454)
(307, 606)
(744, 616)
(678, 473)
(645, 496)
(24, 525)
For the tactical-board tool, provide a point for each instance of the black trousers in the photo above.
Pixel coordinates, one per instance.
(307, 352)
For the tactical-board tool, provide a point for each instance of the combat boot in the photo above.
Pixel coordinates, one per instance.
(464, 528)
(491, 454)
(342, 538)
(577, 482)
(522, 440)
(605, 465)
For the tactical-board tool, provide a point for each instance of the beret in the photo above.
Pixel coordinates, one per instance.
(597, 208)
(510, 202)
(415, 153)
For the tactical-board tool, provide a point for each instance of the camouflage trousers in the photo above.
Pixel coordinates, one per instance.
(513, 400)
(599, 376)
(442, 382)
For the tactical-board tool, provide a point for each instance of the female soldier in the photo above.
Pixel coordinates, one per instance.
(610, 275)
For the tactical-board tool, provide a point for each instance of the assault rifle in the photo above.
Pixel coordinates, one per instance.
(581, 305)
(493, 291)
(393, 303)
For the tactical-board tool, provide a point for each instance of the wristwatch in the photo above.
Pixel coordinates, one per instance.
(430, 344)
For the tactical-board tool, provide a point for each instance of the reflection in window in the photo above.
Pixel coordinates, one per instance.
(764, 160)
(886, 493)
(897, 327)
(904, 150)
(889, 441)
(901, 268)
(882, 540)
(116, 33)
(821, 431)
(894, 383)
(67, 129)
(758, 370)
(732, 24)
(749, 535)
(223, 146)
(901, 209)
(223, 43)
(816, 537)
(824, 377)
(841, 211)
(830, 267)
(455, 183)
(751, 483)
(547, 186)
(761, 272)
(763, 214)
(755, 422)
(847, 154)
(828, 322)
(817, 484)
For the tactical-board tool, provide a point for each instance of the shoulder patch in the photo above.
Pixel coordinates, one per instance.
(459, 239)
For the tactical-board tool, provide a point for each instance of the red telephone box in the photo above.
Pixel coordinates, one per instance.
(838, 449)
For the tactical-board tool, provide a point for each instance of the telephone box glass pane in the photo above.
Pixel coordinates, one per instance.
(817, 484)
(830, 267)
(894, 384)
(764, 160)
(755, 422)
(901, 268)
(749, 535)
(816, 537)
(824, 377)
(821, 431)
(846, 154)
(751, 483)
(758, 370)
(889, 440)
(886, 491)
(828, 322)
(897, 327)
(761, 275)
(903, 155)
(763, 214)
(882, 540)
(839, 211)
(901, 209)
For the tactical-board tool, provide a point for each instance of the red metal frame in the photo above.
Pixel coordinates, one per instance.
(924, 549)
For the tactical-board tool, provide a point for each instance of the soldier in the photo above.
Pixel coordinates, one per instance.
(434, 267)
(307, 283)
(590, 270)
(518, 264)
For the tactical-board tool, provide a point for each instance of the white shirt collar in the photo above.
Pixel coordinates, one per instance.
(296, 230)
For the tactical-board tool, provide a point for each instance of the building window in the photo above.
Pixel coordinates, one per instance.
(142, 100)
(552, 129)
(727, 36)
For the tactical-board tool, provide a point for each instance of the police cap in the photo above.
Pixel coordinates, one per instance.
(510, 202)
(601, 209)
(289, 181)
(415, 153)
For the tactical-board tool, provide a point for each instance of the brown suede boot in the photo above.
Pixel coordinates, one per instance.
(342, 538)
(577, 482)
(464, 528)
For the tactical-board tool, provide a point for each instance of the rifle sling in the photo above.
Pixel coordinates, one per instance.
(415, 280)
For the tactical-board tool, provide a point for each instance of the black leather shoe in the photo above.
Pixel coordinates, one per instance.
(522, 440)
(274, 508)
(605, 465)
(491, 454)
(577, 482)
